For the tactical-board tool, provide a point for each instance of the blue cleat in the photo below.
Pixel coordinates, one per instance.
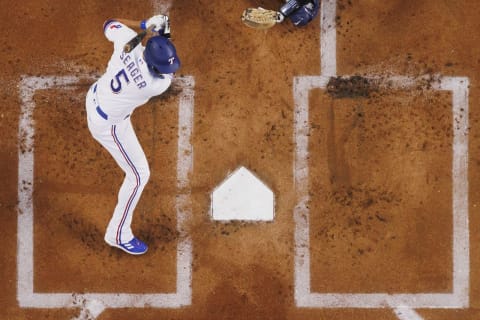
(134, 246)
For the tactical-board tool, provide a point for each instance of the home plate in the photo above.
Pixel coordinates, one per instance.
(242, 196)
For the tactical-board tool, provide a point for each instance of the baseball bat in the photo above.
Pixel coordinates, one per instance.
(130, 45)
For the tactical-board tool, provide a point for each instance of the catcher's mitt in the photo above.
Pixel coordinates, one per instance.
(259, 18)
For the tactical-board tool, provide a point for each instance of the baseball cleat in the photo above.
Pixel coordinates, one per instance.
(134, 246)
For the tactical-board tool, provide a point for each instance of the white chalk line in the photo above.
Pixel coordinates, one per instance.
(328, 38)
(459, 298)
(406, 313)
(183, 201)
(403, 304)
(92, 304)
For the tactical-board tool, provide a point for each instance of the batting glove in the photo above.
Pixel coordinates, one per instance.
(159, 22)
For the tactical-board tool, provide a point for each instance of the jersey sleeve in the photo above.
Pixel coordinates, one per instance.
(118, 33)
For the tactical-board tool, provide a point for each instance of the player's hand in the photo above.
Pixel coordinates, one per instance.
(159, 22)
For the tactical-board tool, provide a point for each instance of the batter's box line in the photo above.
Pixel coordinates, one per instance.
(92, 304)
(401, 303)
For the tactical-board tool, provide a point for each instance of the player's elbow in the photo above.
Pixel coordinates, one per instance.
(107, 23)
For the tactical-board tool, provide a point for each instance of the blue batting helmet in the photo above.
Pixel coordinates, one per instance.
(161, 56)
(305, 13)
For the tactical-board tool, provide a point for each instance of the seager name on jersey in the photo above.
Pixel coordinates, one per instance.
(133, 70)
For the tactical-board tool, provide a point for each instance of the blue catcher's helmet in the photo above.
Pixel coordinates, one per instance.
(305, 13)
(161, 56)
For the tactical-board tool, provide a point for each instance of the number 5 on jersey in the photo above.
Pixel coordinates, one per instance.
(116, 83)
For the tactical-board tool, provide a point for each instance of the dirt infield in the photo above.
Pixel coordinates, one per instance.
(370, 146)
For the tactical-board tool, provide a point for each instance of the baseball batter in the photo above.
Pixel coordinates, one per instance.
(129, 81)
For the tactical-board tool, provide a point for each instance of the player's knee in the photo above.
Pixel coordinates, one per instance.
(139, 175)
(144, 174)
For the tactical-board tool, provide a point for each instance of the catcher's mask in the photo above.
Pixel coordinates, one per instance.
(161, 56)
(305, 13)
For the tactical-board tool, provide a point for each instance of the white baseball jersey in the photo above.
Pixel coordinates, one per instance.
(127, 82)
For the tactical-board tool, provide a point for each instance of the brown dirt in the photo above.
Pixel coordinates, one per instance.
(380, 176)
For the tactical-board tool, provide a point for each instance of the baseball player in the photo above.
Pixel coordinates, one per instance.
(129, 81)
(300, 12)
